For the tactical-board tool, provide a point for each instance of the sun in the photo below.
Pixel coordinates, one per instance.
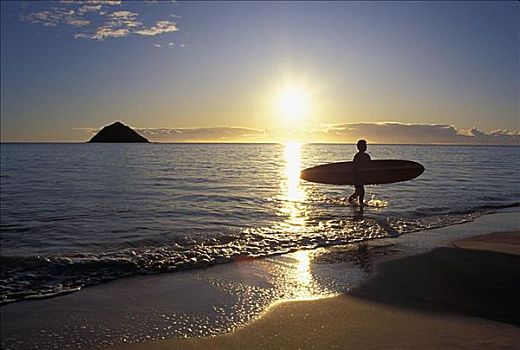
(293, 103)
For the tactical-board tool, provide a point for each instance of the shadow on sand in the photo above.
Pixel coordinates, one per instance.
(470, 282)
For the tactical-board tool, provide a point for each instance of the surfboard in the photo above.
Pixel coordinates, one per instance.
(383, 171)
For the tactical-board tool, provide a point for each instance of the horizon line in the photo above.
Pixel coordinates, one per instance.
(265, 143)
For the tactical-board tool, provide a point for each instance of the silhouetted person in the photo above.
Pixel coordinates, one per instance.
(360, 160)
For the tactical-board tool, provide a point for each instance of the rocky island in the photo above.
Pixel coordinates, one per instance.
(117, 132)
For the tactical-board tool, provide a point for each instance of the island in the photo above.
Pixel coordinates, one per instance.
(117, 132)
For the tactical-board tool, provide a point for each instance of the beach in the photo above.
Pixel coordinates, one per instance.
(453, 287)
(353, 323)
(392, 311)
(461, 296)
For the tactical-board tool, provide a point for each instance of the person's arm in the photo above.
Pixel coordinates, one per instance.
(355, 166)
(355, 161)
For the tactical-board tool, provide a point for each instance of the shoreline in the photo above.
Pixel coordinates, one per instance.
(411, 302)
(226, 300)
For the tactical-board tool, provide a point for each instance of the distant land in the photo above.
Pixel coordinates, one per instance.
(117, 132)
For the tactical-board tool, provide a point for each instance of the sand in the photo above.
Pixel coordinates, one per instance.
(501, 242)
(459, 297)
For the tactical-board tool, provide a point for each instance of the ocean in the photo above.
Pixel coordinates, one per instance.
(76, 215)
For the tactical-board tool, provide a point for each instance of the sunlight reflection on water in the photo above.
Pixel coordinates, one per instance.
(292, 156)
(293, 196)
(299, 281)
(303, 276)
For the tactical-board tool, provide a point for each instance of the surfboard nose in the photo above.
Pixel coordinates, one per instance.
(422, 168)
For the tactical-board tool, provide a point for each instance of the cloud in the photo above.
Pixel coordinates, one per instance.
(99, 20)
(89, 8)
(504, 133)
(222, 134)
(107, 32)
(391, 132)
(159, 28)
(123, 15)
(56, 17)
(93, 2)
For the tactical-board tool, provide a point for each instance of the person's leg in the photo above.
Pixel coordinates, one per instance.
(354, 195)
(361, 195)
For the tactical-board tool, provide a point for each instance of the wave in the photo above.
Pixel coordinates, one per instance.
(33, 277)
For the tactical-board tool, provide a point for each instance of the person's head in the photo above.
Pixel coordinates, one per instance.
(362, 145)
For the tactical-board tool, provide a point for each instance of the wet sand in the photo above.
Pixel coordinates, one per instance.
(462, 296)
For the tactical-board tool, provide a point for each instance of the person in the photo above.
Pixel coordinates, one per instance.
(360, 160)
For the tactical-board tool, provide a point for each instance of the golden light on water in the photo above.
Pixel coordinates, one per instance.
(292, 193)
(299, 281)
(303, 284)
(292, 273)
(292, 156)
(303, 273)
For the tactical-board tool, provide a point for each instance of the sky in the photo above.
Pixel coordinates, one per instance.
(390, 72)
